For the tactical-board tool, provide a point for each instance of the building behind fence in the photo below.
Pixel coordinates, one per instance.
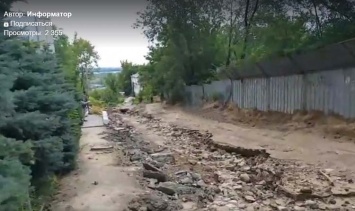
(319, 80)
(135, 84)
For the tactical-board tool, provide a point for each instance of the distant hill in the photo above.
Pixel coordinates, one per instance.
(100, 73)
(105, 70)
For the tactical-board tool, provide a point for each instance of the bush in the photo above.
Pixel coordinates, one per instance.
(176, 95)
(217, 97)
(96, 95)
(146, 95)
(14, 173)
(109, 96)
(105, 97)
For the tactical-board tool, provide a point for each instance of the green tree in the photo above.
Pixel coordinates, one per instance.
(14, 155)
(110, 95)
(86, 57)
(187, 37)
(78, 59)
(198, 41)
(124, 77)
(37, 140)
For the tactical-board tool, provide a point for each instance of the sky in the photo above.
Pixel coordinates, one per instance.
(107, 24)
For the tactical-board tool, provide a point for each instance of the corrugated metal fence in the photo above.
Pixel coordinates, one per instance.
(313, 81)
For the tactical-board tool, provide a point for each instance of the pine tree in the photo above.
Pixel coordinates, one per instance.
(38, 131)
(14, 155)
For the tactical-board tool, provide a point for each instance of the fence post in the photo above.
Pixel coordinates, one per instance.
(203, 92)
(304, 82)
(242, 93)
(304, 92)
(268, 90)
(201, 98)
(232, 90)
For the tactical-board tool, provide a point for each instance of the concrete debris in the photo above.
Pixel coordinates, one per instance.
(163, 157)
(150, 167)
(161, 177)
(193, 168)
(101, 148)
(153, 202)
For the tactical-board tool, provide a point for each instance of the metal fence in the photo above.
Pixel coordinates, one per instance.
(321, 80)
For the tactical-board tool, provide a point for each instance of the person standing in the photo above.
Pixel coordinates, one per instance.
(85, 106)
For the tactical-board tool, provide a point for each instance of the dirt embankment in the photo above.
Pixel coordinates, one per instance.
(332, 126)
(302, 145)
(185, 169)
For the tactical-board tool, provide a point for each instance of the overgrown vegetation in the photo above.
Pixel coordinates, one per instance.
(40, 117)
(109, 96)
(200, 41)
(78, 58)
(114, 85)
(124, 78)
(217, 97)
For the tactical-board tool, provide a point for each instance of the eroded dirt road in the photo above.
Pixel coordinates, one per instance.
(295, 145)
(167, 160)
(186, 169)
(99, 184)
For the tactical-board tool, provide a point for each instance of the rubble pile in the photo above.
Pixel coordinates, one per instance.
(191, 167)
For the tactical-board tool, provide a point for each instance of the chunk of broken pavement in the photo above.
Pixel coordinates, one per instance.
(161, 177)
(152, 183)
(153, 202)
(244, 177)
(186, 180)
(249, 198)
(150, 167)
(163, 157)
(201, 183)
(170, 188)
(101, 148)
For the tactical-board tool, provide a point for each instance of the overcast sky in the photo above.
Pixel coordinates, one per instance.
(107, 24)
